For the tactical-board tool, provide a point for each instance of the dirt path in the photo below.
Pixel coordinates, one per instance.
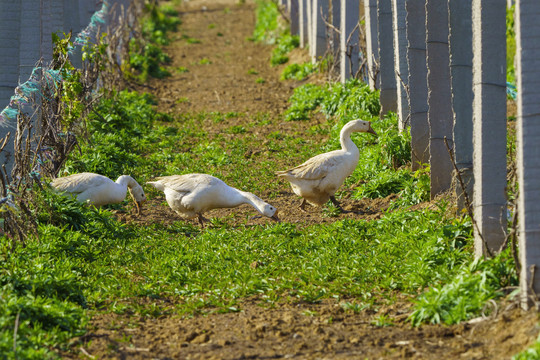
(218, 80)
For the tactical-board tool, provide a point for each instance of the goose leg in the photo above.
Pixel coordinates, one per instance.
(303, 205)
(338, 205)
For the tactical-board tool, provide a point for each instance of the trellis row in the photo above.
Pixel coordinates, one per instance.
(450, 65)
(25, 34)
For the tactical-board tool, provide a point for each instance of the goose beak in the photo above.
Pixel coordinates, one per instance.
(275, 217)
(370, 130)
(139, 207)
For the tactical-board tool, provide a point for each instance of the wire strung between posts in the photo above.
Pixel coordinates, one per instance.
(31, 89)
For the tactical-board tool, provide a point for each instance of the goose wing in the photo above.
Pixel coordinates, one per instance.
(315, 168)
(78, 183)
(188, 183)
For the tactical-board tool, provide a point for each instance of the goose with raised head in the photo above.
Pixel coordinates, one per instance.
(318, 179)
(191, 195)
(100, 190)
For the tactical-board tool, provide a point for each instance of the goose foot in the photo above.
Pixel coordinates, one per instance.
(338, 205)
(202, 220)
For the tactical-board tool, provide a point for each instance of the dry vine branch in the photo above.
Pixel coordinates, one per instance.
(468, 203)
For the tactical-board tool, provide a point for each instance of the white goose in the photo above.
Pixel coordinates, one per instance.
(191, 195)
(318, 179)
(100, 190)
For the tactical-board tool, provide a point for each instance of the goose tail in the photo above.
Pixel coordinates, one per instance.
(158, 185)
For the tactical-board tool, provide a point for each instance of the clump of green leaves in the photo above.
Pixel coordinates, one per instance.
(146, 56)
(285, 44)
(266, 26)
(510, 45)
(298, 71)
(468, 292)
(304, 100)
(116, 128)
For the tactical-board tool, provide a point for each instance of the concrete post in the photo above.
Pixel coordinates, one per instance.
(303, 22)
(400, 63)
(10, 20)
(372, 45)
(336, 23)
(527, 27)
(416, 60)
(388, 94)
(294, 16)
(30, 39)
(460, 18)
(309, 14)
(350, 14)
(489, 122)
(440, 116)
(86, 9)
(318, 30)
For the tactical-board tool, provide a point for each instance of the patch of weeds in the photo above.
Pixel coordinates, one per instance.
(266, 25)
(211, 26)
(182, 100)
(298, 71)
(284, 46)
(252, 72)
(354, 307)
(382, 321)
(237, 129)
(305, 99)
(466, 295)
(416, 190)
(532, 353)
(182, 69)
(193, 41)
(260, 80)
(510, 45)
(146, 56)
(204, 61)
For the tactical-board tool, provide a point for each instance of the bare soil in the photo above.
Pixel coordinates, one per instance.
(286, 330)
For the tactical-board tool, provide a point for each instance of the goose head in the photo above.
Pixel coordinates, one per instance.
(360, 126)
(271, 212)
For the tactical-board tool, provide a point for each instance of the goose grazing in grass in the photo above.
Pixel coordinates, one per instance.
(100, 190)
(318, 179)
(191, 195)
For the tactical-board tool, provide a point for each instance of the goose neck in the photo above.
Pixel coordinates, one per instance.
(345, 139)
(251, 199)
(126, 181)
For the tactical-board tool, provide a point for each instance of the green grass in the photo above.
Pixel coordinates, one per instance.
(146, 56)
(85, 262)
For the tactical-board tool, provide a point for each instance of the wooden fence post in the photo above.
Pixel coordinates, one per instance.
(460, 19)
(388, 94)
(527, 13)
(489, 123)
(440, 115)
(416, 61)
(400, 63)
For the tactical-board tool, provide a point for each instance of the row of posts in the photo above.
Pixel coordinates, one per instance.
(441, 66)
